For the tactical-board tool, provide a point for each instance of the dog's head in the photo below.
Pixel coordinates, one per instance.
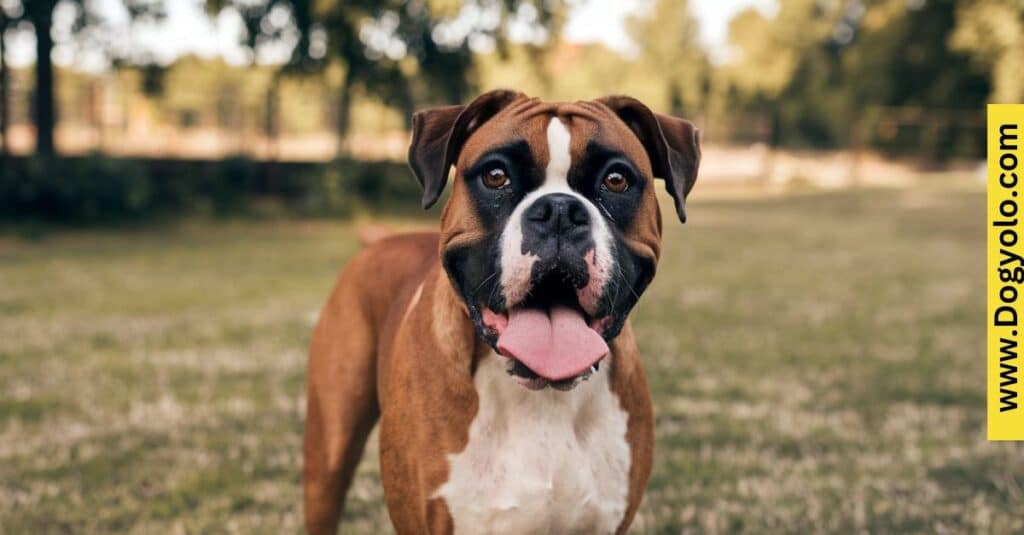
(552, 231)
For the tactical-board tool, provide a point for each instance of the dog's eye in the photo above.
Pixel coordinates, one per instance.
(615, 182)
(495, 178)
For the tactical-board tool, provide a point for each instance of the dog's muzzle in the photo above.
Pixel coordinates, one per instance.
(545, 330)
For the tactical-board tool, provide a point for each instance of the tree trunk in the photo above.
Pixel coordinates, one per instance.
(344, 111)
(42, 15)
(271, 119)
(676, 105)
(5, 117)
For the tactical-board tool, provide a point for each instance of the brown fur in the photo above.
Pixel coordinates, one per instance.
(342, 389)
(528, 118)
(395, 341)
(422, 353)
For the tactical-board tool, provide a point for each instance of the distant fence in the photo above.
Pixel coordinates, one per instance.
(281, 121)
(104, 114)
(934, 135)
(885, 144)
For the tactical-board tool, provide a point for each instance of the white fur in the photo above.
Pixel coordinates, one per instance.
(540, 462)
(413, 302)
(516, 267)
(559, 158)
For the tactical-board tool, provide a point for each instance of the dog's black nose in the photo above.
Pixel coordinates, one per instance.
(558, 213)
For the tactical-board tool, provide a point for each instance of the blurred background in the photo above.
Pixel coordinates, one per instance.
(174, 106)
(181, 180)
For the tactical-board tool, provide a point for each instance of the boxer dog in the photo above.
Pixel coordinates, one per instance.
(496, 353)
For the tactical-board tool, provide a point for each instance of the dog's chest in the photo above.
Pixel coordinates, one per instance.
(540, 462)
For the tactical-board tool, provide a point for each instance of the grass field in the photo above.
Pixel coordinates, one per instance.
(816, 362)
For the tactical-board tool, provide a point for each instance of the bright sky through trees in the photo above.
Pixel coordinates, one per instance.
(187, 30)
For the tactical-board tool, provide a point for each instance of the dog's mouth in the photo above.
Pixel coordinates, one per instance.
(548, 338)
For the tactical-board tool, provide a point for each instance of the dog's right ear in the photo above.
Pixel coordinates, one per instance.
(439, 133)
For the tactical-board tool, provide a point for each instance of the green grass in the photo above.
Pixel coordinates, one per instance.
(816, 362)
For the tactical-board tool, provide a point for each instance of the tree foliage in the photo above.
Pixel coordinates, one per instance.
(87, 30)
(667, 37)
(817, 65)
(404, 52)
(812, 66)
(992, 32)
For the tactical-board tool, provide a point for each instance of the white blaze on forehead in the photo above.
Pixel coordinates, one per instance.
(516, 266)
(560, 159)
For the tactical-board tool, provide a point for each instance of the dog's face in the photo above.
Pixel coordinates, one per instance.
(552, 231)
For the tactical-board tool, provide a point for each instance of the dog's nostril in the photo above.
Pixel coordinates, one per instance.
(577, 214)
(540, 212)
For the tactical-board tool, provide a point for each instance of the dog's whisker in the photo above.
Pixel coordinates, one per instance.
(481, 285)
(606, 212)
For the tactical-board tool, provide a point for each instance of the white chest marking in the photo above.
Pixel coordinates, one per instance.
(540, 462)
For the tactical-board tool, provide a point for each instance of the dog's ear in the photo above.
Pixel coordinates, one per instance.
(439, 133)
(672, 144)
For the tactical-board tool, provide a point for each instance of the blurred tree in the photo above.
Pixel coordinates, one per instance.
(5, 111)
(992, 32)
(403, 52)
(910, 51)
(668, 39)
(86, 19)
(40, 13)
(846, 56)
(776, 63)
(900, 54)
(573, 71)
(766, 51)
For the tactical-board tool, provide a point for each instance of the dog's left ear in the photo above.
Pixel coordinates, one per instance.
(439, 133)
(672, 144)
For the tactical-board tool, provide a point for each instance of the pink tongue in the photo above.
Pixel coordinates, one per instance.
(555, 345)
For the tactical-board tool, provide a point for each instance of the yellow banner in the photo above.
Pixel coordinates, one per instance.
(1005, 271)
